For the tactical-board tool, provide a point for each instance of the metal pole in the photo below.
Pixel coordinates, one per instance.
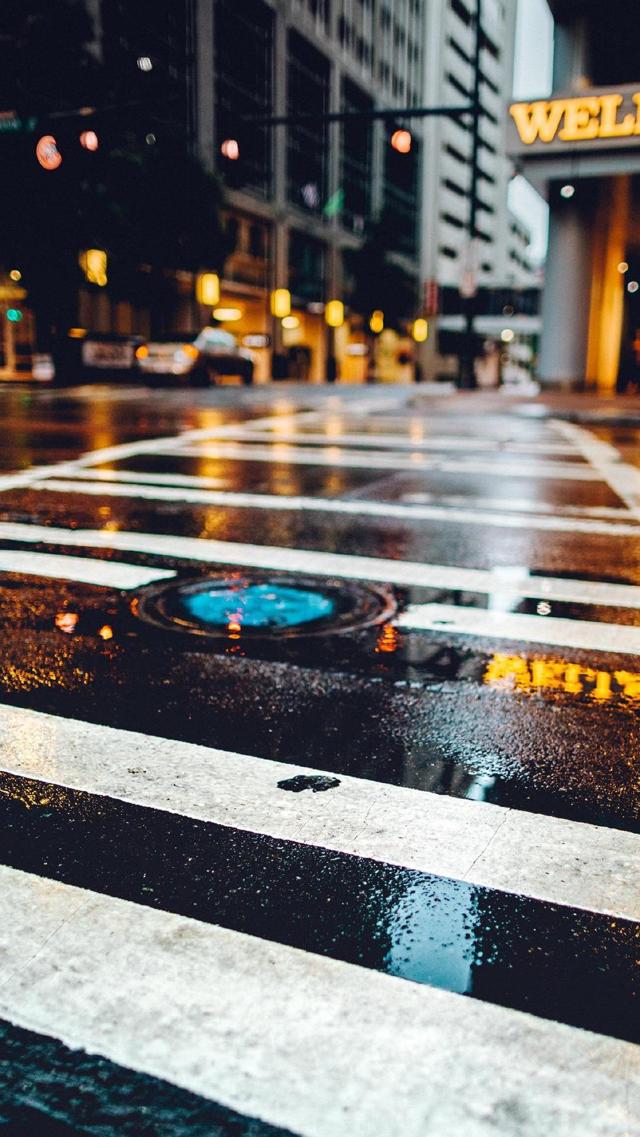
(384, 114)
(466, 374)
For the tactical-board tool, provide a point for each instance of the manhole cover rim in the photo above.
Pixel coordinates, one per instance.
(373, 604)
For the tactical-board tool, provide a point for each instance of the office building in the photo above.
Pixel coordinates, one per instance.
(496, 265)
(580, 147)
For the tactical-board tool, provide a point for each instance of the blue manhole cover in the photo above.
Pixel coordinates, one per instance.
(256, 605)
(241, 606)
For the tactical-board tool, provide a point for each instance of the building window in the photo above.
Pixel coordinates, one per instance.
(487, 43)
(490, 83)
(244, 85)
(458, 86)
(451, 219)
(461, 11)
(257, 240)
(455, 153)
(454, 187)
(307, 142)
(458, 50)
(306, 266)
(355, 159)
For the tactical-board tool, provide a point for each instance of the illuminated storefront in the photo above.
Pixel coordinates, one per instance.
(580, 148)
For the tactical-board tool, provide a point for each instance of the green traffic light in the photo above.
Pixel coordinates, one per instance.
(14, 315)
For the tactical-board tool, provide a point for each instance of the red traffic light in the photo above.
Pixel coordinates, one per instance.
(230, 149)
(401, 141)
(89, 140)
(47, 152)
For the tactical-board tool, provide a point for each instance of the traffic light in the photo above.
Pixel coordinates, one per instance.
(14, 315)
(89, 140)
(401, 141)
(230, 149)
(47, 152)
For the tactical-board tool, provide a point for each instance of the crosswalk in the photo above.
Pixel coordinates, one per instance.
(427, 933)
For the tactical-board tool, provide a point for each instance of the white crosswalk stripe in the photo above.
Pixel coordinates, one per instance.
(312, 1044)
(313, 1038)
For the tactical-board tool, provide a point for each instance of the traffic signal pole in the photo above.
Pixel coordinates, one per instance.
(388, 115)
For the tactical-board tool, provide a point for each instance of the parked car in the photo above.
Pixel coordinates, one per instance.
(198, 358)
(100, 357)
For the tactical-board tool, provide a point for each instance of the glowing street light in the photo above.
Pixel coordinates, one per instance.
(420, 330)
(334, 313)
(281, 303)
(93, 263)
(376, 321)
(227, 315)
(208, 289)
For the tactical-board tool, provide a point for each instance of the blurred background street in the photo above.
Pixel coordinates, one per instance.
(319, 568)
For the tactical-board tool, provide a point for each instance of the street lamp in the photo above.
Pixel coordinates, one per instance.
(208, 289)
(334, 313)
(280, 303)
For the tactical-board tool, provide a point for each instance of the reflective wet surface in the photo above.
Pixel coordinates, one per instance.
(550, 728)
(477, 942)
(414, 589)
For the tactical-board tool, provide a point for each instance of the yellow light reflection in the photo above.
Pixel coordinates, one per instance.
(334, 426)
(66, 621)
(93, 263)
(106, 632)
(387, 639)
(514, 673)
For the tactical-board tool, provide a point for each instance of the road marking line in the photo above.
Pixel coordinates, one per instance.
(85, 570)
(130, 485)
(517, 504)
(402, 441)
(506, 581)
(623, 478)
(121, 451)
(518, 626)
(309, 1043)
(374, 460)
(544, 858)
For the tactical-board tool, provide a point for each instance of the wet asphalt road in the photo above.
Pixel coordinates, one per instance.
(532, 705)
(425, 709)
